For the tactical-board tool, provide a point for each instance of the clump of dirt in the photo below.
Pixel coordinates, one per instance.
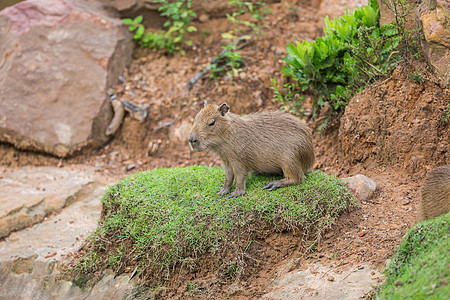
(397, 123)
(261, 256)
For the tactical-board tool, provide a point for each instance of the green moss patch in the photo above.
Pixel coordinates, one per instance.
(420, 269)
(157, 221)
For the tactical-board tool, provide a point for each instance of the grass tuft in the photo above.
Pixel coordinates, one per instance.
(159, 220)
(420, 269)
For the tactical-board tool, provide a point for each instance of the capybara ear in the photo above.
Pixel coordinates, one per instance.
(223, 109)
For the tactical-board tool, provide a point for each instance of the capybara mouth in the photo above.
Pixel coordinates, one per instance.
(195, 146)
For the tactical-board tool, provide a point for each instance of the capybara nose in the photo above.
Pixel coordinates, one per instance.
(193, 139)
(193, 142)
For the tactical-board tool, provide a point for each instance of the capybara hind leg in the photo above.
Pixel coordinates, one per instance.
(292, 177)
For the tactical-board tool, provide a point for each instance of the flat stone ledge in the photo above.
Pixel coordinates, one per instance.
(30, 258)
(28, 195)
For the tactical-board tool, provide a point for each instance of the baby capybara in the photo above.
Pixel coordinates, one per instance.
(273, 142)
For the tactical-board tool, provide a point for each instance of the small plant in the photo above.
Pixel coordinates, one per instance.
(205, 33)
(293, 12)
(289, 98)
(179, 15)
(230, 60)
(232, 270)
(416, 76)
(254, 8)
(191, 287)
(135, 26)
(403, 11)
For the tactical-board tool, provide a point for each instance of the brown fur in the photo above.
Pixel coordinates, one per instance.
(266, 142)
(435, 194)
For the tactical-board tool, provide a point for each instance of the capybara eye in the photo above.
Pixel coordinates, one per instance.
(212, 123)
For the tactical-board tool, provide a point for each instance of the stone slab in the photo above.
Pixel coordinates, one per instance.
(29, 258)
(28, 195)
(325, 283)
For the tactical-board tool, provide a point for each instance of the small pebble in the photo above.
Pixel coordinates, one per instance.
(203, 18)
(131, 167)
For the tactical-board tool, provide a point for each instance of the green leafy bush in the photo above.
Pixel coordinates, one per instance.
(155, 221)
(179, 15)
(353, 52)
(420, 269)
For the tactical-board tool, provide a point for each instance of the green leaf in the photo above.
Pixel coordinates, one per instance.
(177, 39)
(138, 20)
(294, 61)
(191, 29)
(127, 21)
(287, 71)
(140, 31)
(228, 35)
(293, 51)
(146, 38)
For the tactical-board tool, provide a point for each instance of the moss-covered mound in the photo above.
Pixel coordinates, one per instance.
(157, 221)
(421, 267)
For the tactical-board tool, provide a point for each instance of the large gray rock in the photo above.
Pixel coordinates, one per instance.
(57, 59)
(29, 195)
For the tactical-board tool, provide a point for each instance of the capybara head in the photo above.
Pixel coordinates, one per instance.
(210, 127)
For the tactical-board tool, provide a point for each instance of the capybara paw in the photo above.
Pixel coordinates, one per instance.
(222, 192)
(275, 185)
(236, 194)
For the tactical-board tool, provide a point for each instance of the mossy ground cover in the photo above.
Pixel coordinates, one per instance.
(420, 269)
(157, 221)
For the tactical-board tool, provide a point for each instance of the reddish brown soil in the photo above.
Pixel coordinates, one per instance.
(392, 133)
